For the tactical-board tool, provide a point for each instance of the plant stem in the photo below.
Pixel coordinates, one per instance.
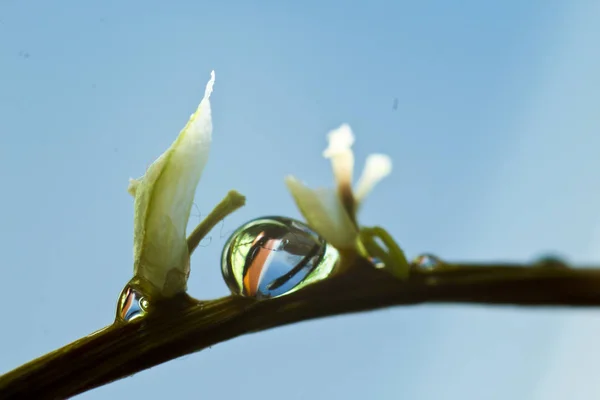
(182, 326)
(230, 203)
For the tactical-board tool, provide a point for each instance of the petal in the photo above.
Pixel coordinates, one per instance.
(340, 153)
(325, 213)
(340, 140)
(163, 202)
(377, 167)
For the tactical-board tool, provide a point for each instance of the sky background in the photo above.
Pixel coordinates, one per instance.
(495, 147)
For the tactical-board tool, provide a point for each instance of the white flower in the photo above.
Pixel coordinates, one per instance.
(332, 212)
(163, 202)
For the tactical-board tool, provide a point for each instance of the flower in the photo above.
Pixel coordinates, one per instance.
(331, 212)
(163, 200)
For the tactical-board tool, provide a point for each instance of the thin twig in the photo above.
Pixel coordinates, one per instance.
(179, 327)
(230, 203)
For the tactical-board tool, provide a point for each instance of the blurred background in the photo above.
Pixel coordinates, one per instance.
(488, 109)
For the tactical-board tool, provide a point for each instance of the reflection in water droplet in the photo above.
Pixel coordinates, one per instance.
(426, 262)
(272, 256)
(132, 305)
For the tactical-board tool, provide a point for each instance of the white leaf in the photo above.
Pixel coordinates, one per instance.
(163, 202)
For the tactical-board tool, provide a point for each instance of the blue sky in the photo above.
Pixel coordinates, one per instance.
(494, 145)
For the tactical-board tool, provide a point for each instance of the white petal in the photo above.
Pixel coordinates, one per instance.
(163, 202)
(324, 213)
(377, 167)
(341, 155)
(340, 140)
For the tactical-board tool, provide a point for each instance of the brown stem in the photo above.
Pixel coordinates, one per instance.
(182, 325)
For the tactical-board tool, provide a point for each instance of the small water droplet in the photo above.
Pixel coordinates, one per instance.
(272, 256)
(551, 261)
(426, 262)
(132, 305)
(377, 262)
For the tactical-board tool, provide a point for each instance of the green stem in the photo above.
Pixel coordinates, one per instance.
(182, 326)
(232, 201)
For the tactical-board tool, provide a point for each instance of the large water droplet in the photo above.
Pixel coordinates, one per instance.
(132, 305)
(426, 262)
(272, 256)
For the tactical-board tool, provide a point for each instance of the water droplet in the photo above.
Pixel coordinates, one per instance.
(426, 262)
(377, 262)
(551, 261)
(272, 256)
(132, 305)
